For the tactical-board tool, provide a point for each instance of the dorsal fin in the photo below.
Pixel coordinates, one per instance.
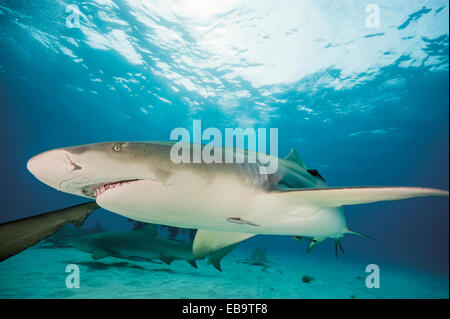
(293, 157)
(148, 230)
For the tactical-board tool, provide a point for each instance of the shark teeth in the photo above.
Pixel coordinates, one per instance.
(104, 187)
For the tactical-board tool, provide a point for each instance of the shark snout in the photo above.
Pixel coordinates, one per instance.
(53, 167)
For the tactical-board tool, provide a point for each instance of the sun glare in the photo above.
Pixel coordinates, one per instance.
(205, 8)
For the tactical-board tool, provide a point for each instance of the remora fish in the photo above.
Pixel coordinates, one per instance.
(143, 244)
(228, 202)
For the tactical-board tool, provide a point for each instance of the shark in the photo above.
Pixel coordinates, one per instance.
(64, 236)
(226, 202)
(257, 258)
(143, 244)
(18, 235)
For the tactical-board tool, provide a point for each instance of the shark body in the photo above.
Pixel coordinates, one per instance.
(65, 235)
(257, 258)
(143, 244)
(227, 202)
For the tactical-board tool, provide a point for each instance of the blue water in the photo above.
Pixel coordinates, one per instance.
(364, 106)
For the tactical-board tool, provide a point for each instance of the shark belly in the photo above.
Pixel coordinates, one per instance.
(221, 204)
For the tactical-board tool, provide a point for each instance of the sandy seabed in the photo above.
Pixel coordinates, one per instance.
(41, 273)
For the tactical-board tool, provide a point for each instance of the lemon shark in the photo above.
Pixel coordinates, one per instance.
(143, 244)
(66, 234)
(18, 235)
(227, 202)
(257, 258)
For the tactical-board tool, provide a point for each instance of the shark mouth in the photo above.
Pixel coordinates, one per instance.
(104, 187)
(97, 189)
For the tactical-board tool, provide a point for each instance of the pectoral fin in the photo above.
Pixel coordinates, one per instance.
(192, 263)
(207, 242)
(16, 236)
(167, 260)
(340, 196)
(101, 253)
(217, 256)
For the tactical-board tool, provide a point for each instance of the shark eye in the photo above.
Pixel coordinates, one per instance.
(117, 147)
